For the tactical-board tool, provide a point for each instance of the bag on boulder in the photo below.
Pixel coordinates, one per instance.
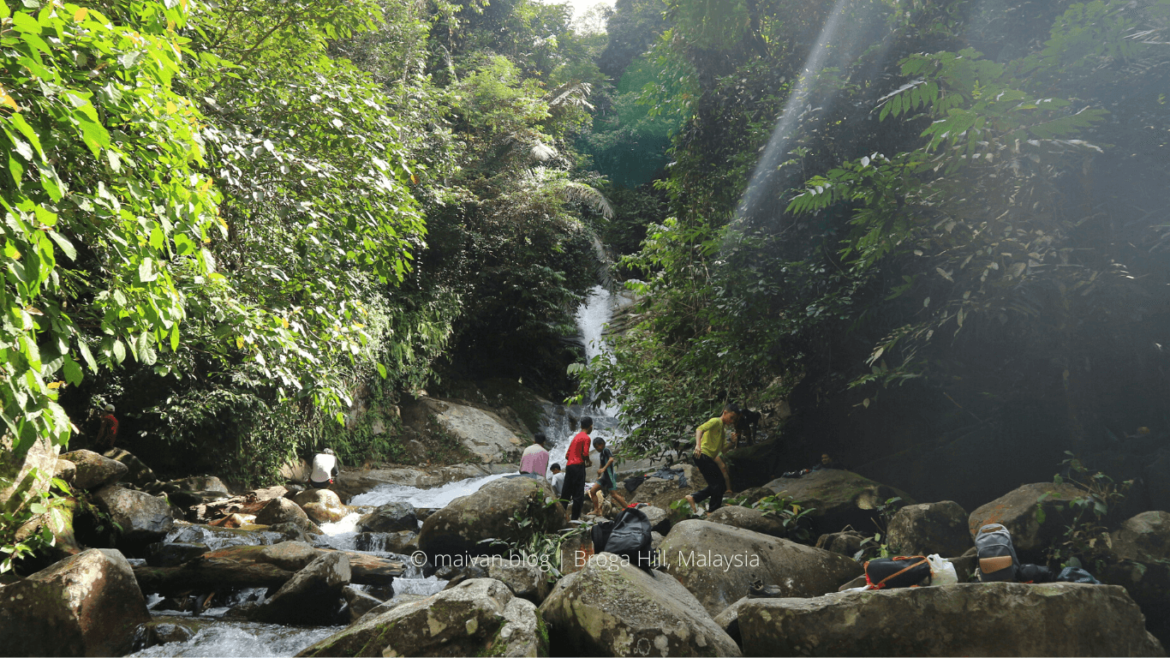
(627, 536)
(997, 556)
(1076, 575)
(887, 572)
(1034, 573)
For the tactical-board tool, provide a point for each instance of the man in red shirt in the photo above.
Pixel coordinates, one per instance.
(575, 459)
(108, 432)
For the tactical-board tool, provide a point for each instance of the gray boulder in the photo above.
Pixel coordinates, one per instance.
(988, 619)
(283, 510)
(489, 513)
(402, 542)
(728, 620)
(930, 528)
(173, 554)
(479, 617)
(747, 518)
(144, 518)
(846, 542)
(392, 517)
(718, 563)
(358, 602)
(139, 475)
(308, 597)
(65, 470)
(93, 470)
(839, 498)
(612, 608)
(1017, 511)
(1141, 564)
(199, 483)
(527, 579)
(658, 517)
(85, 605)
(322, 505)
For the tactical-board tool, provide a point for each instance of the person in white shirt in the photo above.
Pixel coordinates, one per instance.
(324, 470)
(558, 478)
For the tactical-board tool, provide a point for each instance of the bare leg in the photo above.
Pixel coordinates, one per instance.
(617, 497)
(691, 500)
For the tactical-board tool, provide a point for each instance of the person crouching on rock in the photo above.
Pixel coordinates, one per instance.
(535, 457)
(558, 478)
(606, 478)
(575, 460)
(324, 470)
(709, 444)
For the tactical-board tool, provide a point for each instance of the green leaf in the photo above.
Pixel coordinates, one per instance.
(146, 271)
(64, 244)
(25, 23)
(382, 371)
(119, 351)
(73, 372)
(175, 337)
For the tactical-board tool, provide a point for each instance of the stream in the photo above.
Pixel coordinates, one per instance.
(217, 636)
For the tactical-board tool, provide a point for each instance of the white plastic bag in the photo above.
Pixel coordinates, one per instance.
(942, 572)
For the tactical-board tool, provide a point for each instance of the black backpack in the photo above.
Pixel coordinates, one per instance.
(627, 536)
(885, 572)
(997, 555)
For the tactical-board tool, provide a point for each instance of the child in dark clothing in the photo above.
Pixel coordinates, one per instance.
(606, 477)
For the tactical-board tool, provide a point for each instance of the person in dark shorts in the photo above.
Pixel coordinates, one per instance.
(606, 477)
(575, 460)
(709, 445)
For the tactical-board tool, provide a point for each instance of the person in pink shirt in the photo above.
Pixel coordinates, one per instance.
(535, 457)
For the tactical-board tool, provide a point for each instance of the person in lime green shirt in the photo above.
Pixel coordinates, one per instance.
(709, 445)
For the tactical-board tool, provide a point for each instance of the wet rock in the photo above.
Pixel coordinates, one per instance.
(206, 483)
(839, 498)
(154, 633)
(480, 617)
(65, 470)
(930, 528)
(459, 527)
(144, 518)
(718, 563)
(85, 605)
(846, 543)
(322, 505)
(282, 510)
(217, 538)
(309, 596)
(612, 608)
(93, 470)
(358, 603)
(290, 555)
(173, 554)
(139, 474)
(748, 519)
(393, 517)
(1058, 619)
(1017, 512)
(402, 543)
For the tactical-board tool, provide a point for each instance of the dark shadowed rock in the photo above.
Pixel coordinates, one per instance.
(930, 528)
(1141, 548)
(728, 620)
(718, 563)
(85, 605)
(322, 505)
(308, 597)
(358, 602)
(144, 518)
(154, 633)
(172, 555)
(479, 617)
(985, 619)
(658, 517)
(612, 608)
(488, 513)
(93, 470)
(139, 474)
(839, 498)
(747, 518)
(847, 542)
(1017, 512)
(208, 483)
(392, 517)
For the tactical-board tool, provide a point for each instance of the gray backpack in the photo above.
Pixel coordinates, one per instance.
(997, 556)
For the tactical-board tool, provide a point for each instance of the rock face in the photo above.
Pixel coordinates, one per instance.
(718, 563)
(322, 505)
(310, 596)
(483, 433)
(488, 513)
(988, 619)
(392, 517)
(85, 605)
(840, 498)
(144, 518)
(479, 617)
(93, 470)
(612, 608)
(1017, 512)
(748, 518)
(930, 528)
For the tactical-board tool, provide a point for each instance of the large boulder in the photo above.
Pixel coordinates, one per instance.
(718, 563)
(358, 603)
(490, 513)
(144, 518)
(310, 596)
(1017, 511)
(1141, 564)
(930, 528)
(283, 510)
(483, 433)
(980, 619)
(479, 617)
(85, 605)
(659, 518)
(322, 505)
(526, 578)
(612, 608)
(748, 518)
(66, 471)
(198, 483)
(164, 554)
(838, 498)
(846, 542)
(754, 465)
(392, 517)
(139, 474)
(94, 471)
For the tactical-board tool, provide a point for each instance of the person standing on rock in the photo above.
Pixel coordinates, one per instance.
(606, 478)
(575, 460)
(709, 444)
(325, 469)
(108, 432)
(535, 457)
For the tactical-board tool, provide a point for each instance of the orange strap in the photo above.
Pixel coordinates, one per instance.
(882, 583)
